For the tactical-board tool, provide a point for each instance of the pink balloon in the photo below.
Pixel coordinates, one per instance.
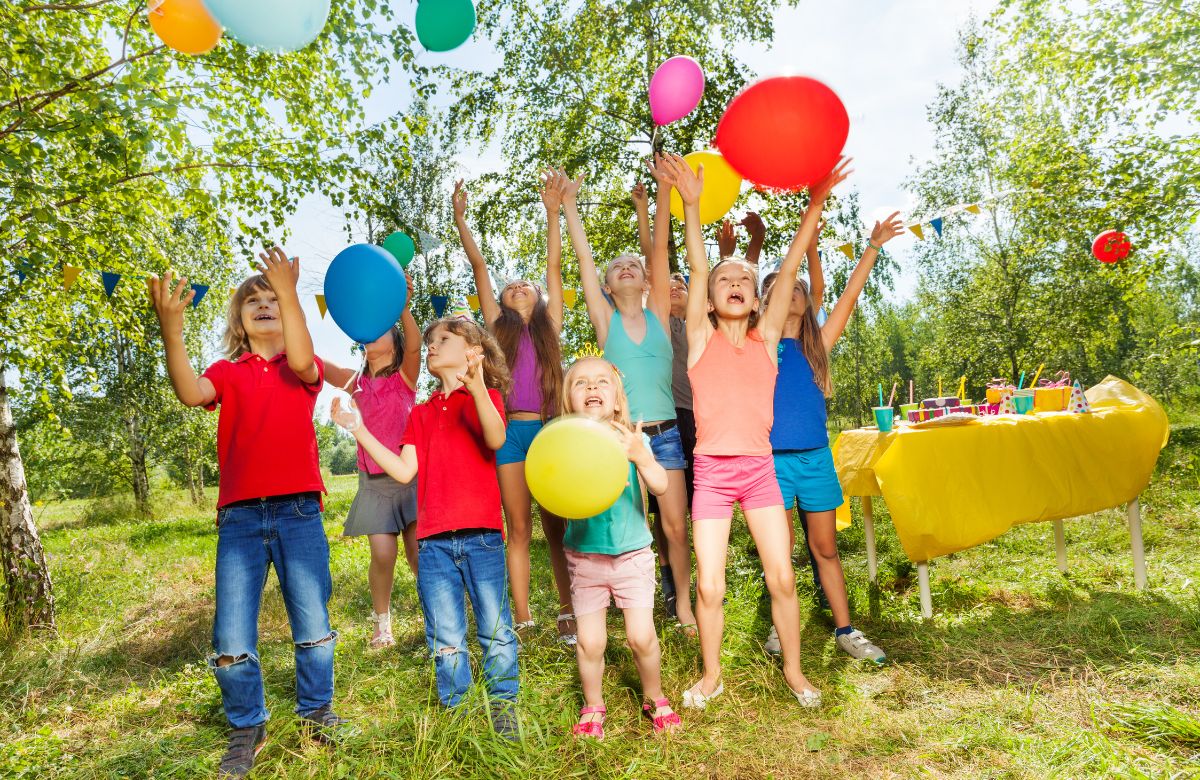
(675, 89)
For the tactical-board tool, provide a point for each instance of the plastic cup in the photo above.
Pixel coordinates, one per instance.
(884, 415)
(1023, 400)
(906, 408)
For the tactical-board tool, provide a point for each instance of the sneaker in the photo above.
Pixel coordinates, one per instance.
(566, 636)
(858, 646)
(326, 727)
(772, 643)
(668, 590)
(504, 721)
(244, 746)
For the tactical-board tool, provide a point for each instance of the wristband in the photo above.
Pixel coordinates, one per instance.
(876, 248)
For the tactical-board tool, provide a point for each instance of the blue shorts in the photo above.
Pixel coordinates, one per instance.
(518, 436)
(668, 449)
(809, 476)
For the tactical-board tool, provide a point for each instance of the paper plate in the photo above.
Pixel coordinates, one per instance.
(947, 419)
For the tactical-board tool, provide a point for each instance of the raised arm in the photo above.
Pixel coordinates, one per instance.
(169, 305)
(641, 206)
(338, 376)
(690, 185)
(483, 282)
(400, 466)
(658, 262)
(771, 324)
(410, 366)
(758, 234)
(816, 276)
(599, 310)
(551, 192)
(490, 420)
(283, 274)
(882, 233)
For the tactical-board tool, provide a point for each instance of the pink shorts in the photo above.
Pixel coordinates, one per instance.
(628, 578)
(722, 479)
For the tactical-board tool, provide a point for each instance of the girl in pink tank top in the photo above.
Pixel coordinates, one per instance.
(732, 368)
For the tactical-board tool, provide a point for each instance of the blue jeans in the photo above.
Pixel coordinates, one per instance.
(288, 534)
(449, 567)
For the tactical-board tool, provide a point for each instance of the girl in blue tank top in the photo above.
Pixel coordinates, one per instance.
(799, 439)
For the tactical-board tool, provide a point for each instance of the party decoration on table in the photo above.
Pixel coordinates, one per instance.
(277, 25)
(1079, 402)
(184, 25)
(365, 291)
(1033, 382)
(401, 247)
(721, 187)
(1007, 406)
(675, 90)
(1111, 246)
(1052, 395)
(784, 133)
(576, 467)
(443, 25)
(946, 420)
(1022, 400)
(997, 389)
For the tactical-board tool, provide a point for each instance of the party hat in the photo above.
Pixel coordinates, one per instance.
(461, 309)
(1007, 406)
(1079, 401)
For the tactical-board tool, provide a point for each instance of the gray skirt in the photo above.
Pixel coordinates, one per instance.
(381, 506)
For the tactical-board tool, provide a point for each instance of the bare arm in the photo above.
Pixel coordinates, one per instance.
(690, 185)
(552, 199)
(283, 274)
(882, 233)
(410, 366)
(169, 305)
(337, 376)
(659, 261)
(401, 466)
(483, 282)
(816, 276)
(642, 207)
(758, 234)
(490, 420)
(599, 310)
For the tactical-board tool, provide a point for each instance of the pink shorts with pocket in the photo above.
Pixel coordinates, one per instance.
(721, 480)
(627, 578)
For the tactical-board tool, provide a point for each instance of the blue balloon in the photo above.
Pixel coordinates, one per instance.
(365, 291)
(279, 25)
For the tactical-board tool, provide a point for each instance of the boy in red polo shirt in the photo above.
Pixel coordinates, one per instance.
(452, 440)
(269, 504)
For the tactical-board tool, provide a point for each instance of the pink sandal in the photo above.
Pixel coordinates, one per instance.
(593, 728)
(662, 723)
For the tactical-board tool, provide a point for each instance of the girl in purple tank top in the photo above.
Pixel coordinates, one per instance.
(526, 321)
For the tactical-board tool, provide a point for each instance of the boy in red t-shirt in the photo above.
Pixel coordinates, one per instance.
(269, 504)
(452, 440)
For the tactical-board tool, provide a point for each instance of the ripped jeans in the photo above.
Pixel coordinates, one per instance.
(288, 534)
(449, 567)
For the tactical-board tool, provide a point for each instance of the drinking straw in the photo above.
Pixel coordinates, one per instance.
(881, 393)
(1021, 383)
(910, 391)
(892, 397)
(1033, 382)
(939, 387)
(962, 386)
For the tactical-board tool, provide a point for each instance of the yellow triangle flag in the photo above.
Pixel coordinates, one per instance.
(917, 231)
(473, 302)
(973, 208)
(848, 251)
(70, 274)
(569, 298)
(321, 305)
(232, 291)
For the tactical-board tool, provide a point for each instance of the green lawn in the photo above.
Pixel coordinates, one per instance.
(1022, 672)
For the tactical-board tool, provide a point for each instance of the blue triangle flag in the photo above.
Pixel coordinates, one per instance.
(201, 291)
(20, 276)
(937, 225)
(440, 302)
(110, 280)
(687, 278)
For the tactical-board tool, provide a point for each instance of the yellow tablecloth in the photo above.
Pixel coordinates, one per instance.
(952, 488)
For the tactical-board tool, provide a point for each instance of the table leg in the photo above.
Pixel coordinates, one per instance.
(926, 596)
(869, 533)
(1133, 513)
(1060, 546)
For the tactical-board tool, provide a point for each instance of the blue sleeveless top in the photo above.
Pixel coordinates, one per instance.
(645, 368)
(799, 403)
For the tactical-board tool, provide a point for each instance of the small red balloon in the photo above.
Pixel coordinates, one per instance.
(1111, 246)
(784, 133)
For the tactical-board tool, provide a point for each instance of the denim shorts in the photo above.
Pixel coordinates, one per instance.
(809, 477)
(518, 436)
(668, 449)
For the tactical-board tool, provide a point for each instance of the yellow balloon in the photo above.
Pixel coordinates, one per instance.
(721, 187)
(576, 467)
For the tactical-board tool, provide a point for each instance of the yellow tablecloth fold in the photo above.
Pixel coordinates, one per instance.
(952, 488)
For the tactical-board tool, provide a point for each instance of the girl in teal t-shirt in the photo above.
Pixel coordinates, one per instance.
(609, 556)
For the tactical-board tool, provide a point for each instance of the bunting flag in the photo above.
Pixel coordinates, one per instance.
(110, 281)
(473, 302)
(428, 242)
(440, 302)
(918, 231)
(973, 208)
(70, 274)
(232, 291)
(570, 297)
(201, 290)
(847, 250)
(687, 278)
(321, 306)
(20, 276)
(936, 222)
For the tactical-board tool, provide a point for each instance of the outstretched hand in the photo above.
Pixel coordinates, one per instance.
(631, 441)
(726, 239)
(688, 183)
(170, 302)
(348, 417)
(459, 199)
(819, 191)
(551, 191)
(282, 274)
(754, 225)
(886, 230)
(638, 194)
(570, 188)
(473, 378)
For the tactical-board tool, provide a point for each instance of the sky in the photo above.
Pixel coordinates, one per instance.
(884, 58)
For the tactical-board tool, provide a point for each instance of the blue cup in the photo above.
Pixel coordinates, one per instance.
(1023, 403)
(884, 415)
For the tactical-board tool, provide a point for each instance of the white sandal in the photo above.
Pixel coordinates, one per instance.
(383, 630)
(569, 640)
(809, 699)
(694, 698)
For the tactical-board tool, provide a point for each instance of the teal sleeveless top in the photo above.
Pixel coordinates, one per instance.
(645, 368)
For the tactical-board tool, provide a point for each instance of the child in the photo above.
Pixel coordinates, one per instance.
(731, 357)
(269, 501)
(384, 508)
(799, 440)
(452, 440)
(527, 324)
(633, 334)
(609, 556)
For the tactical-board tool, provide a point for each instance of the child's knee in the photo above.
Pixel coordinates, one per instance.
(642, 642)
(710, 589)
(781, 582)
(327, 640)
(824, 549)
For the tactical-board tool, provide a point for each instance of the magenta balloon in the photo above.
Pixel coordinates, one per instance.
(675, 89)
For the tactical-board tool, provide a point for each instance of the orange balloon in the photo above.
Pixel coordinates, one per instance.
(185, 25)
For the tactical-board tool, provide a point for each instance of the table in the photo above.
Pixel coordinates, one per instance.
(952, 488)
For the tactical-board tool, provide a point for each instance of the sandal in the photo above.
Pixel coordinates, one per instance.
(591, 728)
(524, 624)
(662, 723)
(690, 630)
(567, 639)
(696, 699)
(383, 630)
(809, 699)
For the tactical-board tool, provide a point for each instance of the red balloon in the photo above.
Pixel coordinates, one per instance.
(1111, 246)
(784, 133)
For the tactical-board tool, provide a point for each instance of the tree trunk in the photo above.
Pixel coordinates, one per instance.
(190, 465)
(137, 464)
(29, 595)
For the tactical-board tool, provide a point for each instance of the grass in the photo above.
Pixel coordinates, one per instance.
(1022, 673)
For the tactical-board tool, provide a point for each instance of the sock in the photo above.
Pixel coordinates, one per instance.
(843, 630)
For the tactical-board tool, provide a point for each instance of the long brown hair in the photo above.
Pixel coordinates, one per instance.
(810, 341)
(495, 370)
(546, 347)
(621, 410)
(712, 315)
(234, 342)
(397, 355)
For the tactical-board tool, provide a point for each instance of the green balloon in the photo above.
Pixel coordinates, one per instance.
(443, 25)
(400, 247)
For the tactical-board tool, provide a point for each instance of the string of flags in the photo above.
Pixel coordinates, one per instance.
(937, 223)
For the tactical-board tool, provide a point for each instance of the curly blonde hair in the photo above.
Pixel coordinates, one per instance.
(495, 369)
(621, 410)
(234, 342)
